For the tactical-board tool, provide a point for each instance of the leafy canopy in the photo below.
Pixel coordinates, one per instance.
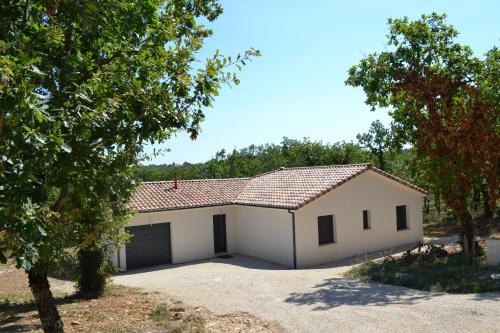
(444, 101)
(83, 85)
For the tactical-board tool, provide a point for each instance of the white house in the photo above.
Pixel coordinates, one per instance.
(297, 217)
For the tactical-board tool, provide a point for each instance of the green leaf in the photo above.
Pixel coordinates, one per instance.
(36, 70)
(42, 230)
(39, 116)
(39, 138)
(66, 148)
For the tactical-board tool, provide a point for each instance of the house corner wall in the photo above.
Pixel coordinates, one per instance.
(368, 191)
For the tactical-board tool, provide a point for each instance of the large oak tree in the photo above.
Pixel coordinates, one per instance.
(83, 86)
(445, 101)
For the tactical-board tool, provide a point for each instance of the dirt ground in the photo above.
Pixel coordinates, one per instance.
(122, 309)
(484, 228)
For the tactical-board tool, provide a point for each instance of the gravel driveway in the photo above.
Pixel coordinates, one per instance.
(317, 300)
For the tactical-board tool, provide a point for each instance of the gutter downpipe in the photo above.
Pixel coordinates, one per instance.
(293, 236)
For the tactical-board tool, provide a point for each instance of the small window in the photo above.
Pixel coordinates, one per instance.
(325, 229)
(401, 217)
(366, 221)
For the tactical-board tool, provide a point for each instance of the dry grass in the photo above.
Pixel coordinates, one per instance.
(484, 228)
(442, 229)
(121, 309)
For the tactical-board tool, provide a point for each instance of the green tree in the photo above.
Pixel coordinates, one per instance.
(445, 102)
(377, 141)
(104, 211)
(83, 85)
(256, 159)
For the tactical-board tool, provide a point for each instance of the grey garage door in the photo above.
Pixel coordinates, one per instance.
(149, 245)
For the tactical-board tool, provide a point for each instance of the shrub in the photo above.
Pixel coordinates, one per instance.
(430, 268)
(92, 272)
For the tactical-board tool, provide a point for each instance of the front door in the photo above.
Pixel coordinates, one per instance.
(220, 244)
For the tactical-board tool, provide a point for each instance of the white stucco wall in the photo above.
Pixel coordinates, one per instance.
(265, 233)
(369, 191)
(191, 231)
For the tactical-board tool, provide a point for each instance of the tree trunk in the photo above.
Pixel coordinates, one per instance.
(381, 159)
(437, 202)
(47, 310)
(476, 199)
(487, 211)
(468, 237)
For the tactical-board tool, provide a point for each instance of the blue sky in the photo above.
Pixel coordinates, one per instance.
(296, 88)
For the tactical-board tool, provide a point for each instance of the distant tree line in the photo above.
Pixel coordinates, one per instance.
(256, 159)
(376, 147)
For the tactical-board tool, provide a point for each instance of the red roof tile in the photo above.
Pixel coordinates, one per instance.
(294, 187)
(161, 195)
(289, 188)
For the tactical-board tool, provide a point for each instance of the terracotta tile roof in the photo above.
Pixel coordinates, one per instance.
(160, 195)
(293, 188)
(289, 188)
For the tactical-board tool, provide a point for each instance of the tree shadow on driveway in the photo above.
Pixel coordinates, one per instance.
(490, 296)
(336, 291)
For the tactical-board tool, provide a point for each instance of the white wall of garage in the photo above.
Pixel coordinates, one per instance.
(265, 233)
(368, 191)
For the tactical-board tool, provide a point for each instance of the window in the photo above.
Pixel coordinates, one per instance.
(325, 229)
(366, 221)
(401, 217)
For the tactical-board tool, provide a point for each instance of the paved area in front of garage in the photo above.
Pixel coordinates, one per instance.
(317, 299)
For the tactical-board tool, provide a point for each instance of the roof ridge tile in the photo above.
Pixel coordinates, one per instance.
(194, 180)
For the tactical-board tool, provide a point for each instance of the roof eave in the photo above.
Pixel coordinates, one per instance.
(141, 211)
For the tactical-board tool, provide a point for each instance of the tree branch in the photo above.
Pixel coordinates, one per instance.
(58, 205)
(26, 11)
(67, 47)
(2, 123)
